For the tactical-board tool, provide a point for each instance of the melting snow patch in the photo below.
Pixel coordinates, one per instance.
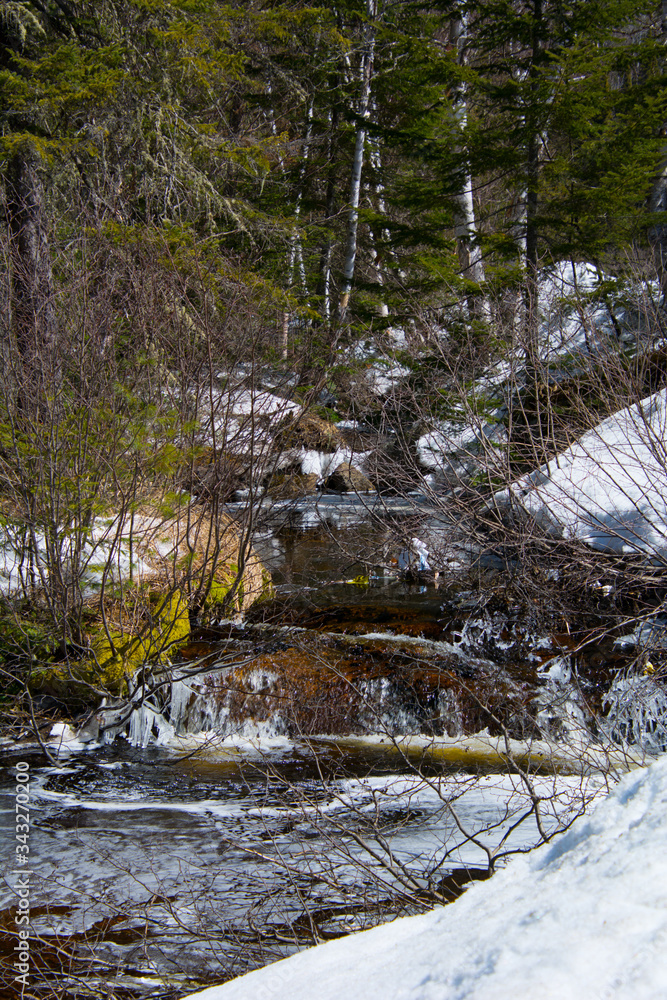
(610, 488)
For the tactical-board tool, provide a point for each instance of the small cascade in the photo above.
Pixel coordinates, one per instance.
(210, 703)
(356, 667)
(310, 683)
(386, 708)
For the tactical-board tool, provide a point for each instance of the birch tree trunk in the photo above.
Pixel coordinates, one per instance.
(366, 76)
(533, 146)
(296, 261)
(376, 163)
(468, 251)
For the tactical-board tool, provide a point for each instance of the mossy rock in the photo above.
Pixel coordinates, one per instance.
(181, 559)
(116, 654)
(309, 431)
(120, 649)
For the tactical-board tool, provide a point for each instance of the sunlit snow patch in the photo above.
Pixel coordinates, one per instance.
(609, 489)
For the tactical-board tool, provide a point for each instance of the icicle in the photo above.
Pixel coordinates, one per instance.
(182, 695)
(143, 721)
(637, 713)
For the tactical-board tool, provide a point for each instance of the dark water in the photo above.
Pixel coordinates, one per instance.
(147, 868)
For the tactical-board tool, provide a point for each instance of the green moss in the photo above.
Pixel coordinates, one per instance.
(268, 590)
(116, 655)
(109, 664)
(216, 597)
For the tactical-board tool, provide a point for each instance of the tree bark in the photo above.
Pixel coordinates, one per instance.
(658, 196)
(469, 254)
(34, 320)
(531, 288)
(366, 76)
(324, 283)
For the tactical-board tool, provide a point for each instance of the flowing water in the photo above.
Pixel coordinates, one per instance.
(279, 796)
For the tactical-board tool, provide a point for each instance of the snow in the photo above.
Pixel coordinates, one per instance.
(449, 446)
(246, 402)
(609, 489)
(322, 463)
(583, 916)
(62, 737)
(575, 305)
(571, 319)
(242, 420)
(382, 377)
(105, 552)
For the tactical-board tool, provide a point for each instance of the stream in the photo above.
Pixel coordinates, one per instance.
(356, 749)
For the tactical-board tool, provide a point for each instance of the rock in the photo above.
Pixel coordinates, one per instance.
(308, 431)
(348, 479)
(146, 572)
(289, 486)
(310, 683)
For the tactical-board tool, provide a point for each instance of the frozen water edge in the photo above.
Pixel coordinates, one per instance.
(578, 756)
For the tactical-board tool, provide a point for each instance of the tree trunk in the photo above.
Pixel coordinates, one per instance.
(469, 254)
(531, 289)
(658, 197)
(324, 283)
(366, 75)
(33, 298)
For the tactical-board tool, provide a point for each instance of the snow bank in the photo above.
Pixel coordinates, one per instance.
(581, 918)
(576, 302)
(608, 489)
(238, 419)
(99, 554)
(449, 444)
